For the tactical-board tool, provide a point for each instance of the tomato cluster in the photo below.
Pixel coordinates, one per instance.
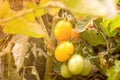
(76, 65)
(73, 64)
(63, 33)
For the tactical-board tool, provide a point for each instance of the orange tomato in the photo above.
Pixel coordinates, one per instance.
(63, 51)
(74, 34)
(63, 30)
(118, 7)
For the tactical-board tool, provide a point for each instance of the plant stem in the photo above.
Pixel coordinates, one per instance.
(48, 41)
(9, 66)
(48, 67)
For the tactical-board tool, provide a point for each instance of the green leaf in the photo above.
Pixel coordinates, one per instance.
(4, 7)
(93, 37)
(94, 8)
(114, 72)
(110, 25)
(39, 11)
(30, 17)
(105, 26)
(117, 63)
(115, 23)
(43, 2)
(103, 64)
(30, 5)
(22, 26)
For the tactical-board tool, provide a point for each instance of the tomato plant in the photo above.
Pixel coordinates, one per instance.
(58, 39)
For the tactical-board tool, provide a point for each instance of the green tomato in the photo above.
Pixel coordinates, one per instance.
(87, 68)
(64, 71)
(76, 64)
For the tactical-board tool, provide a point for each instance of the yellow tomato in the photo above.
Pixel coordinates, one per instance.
(63, 51)
(63, 30)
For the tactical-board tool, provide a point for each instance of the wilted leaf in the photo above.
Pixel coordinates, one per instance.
(15, 75)
(24, 78)
(83, 24)
(34, 72)
(2, 34)
(1, 68)
(19, 50)
(22, 26)
(4, 7)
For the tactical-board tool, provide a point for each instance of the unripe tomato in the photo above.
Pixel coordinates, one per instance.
(76, 64)
(87, 68)
(74, 34)
(63, 30)
(64, 71)
(63, 51)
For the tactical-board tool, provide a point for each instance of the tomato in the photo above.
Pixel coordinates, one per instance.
(76, 64)
(118, 7)
(64, 71)
(63, 30)
(74, 35)
(87, 68)
(63, 51)
(118, 29)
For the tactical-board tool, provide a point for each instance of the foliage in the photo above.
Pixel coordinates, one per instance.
(28, 43)
(114, 71)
